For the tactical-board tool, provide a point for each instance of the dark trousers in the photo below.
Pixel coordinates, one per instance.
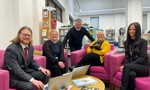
(90, 59)
(24, 85)
(56, 70)
(130, 72)
(74, 48)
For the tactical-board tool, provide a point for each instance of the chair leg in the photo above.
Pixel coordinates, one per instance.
(111, 86)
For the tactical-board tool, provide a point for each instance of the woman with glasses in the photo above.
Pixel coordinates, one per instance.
(95, 52)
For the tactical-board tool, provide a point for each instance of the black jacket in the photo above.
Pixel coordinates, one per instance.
(75, 37)
(142, 57)
(49, 52)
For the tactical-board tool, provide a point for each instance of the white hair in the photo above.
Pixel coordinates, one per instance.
(78, 20)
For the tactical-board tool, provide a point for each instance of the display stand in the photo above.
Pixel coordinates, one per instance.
(110, 35)
(48, 22)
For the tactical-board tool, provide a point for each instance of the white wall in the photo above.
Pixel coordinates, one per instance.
(6, 27)
(18, 13)
(68, 6)
(37, 20)
(113, 21)
(148, 21)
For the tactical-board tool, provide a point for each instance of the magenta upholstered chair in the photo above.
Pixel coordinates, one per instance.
(141, 83)
(101, 72)
(41, 60)
(4, 74)
(77, 55)
(39, 48)
(148, 47)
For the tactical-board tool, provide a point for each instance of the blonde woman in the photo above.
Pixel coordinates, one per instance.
(95, 52)
(53, 50)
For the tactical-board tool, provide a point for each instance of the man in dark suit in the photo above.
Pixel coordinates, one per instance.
(18, 60)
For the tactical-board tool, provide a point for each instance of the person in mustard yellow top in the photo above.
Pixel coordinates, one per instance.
(95, 52)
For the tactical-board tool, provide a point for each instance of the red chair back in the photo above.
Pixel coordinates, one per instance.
(2, 52)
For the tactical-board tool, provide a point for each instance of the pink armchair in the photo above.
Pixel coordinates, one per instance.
(141, 83)
(39, 48)
(101, 72)
(4, 74)
(148, 47)
(76, 56)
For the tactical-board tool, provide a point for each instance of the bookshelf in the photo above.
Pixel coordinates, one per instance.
(48, 22)
(62, 33)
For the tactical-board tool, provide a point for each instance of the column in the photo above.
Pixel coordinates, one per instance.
(134, 12)
(65, 17)
(148, 21)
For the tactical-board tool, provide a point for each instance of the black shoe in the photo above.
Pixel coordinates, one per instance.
(71, 68)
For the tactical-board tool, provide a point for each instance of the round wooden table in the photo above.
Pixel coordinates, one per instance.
(99, 83)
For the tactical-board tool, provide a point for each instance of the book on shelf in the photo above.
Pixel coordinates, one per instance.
(89, 88)
(84, 81)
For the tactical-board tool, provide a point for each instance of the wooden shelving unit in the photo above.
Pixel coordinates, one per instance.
(47, 23)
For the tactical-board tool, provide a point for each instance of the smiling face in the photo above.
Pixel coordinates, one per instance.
(54, 35)
(78, 25)
(25, 37)
(100, 36)
(132, 31)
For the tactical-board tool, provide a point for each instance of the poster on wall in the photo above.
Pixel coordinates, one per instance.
(45, 13)
(44, 32)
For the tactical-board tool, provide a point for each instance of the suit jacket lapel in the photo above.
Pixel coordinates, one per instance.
(29, 54)
(22, 53)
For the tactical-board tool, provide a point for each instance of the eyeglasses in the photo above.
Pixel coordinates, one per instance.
(25, 35)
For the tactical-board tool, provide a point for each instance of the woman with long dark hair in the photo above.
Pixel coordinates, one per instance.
(136, 61)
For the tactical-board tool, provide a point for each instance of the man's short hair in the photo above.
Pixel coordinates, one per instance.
(78, 20)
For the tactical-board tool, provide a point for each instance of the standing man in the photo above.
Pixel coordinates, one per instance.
(75, 36)
(18, 60)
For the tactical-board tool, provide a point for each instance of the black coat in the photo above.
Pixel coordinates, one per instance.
(142, 57)
(49, 52)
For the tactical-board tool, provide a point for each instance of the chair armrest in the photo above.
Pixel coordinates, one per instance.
(66, 59)
(76, 56)
(4, 80)
(107, 59)
(40, 60)
(37, 47)
(115, 63)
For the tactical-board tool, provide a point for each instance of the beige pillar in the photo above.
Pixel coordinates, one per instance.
(134, 12)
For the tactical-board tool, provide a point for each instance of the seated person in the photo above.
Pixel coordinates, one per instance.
(95, 52)
(54, 52)
(136, 62)
(18, 60)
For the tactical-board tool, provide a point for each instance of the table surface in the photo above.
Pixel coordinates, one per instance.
(99, 83)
